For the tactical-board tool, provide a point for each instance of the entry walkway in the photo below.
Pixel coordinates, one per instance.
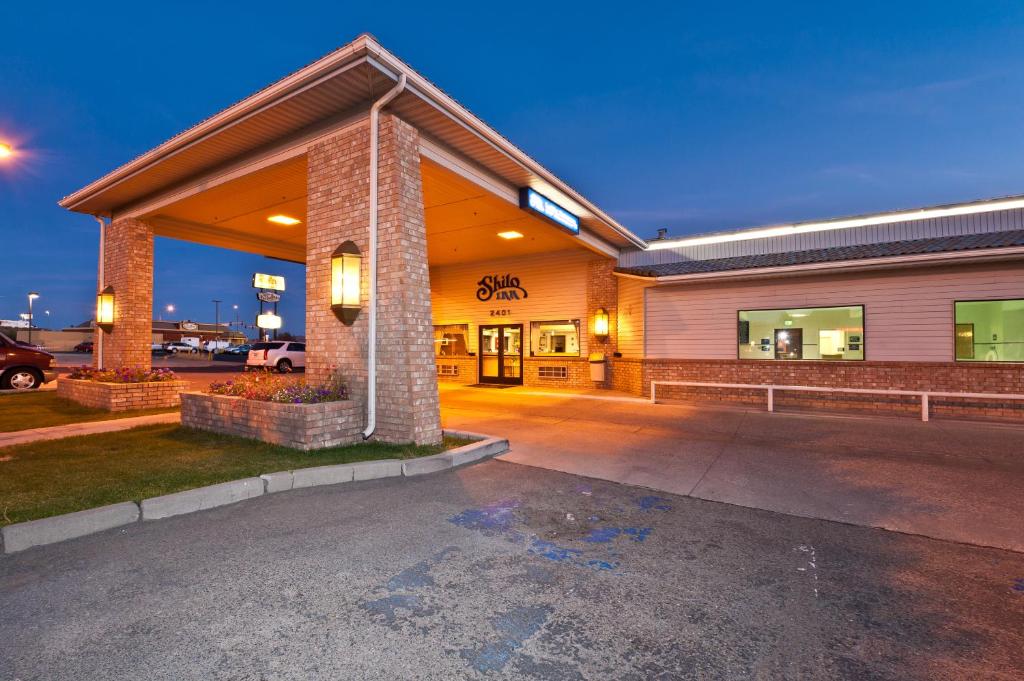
(949, 480)
(20, 437)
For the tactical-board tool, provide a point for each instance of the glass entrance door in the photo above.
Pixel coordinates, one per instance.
(501, 354)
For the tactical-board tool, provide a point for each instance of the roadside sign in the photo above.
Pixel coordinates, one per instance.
(273, 282)
(268, 296)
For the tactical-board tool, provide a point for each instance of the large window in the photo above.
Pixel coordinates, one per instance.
(450, 340)
(819, 333)
(555, 338)
(989, 331)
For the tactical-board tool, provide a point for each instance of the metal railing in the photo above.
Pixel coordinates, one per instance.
(923, 395)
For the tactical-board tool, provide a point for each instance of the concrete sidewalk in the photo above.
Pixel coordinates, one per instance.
(949, 480)
(21, 437)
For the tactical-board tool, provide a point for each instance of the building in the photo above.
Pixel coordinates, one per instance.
(437, 250)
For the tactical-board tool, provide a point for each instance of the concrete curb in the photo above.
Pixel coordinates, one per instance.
(201, 498)
(20, 536)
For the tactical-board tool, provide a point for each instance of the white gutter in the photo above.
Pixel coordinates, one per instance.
(371, 357)
(100, 276)
(977, 255)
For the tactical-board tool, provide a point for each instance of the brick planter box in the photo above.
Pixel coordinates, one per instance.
(122, 396)
(300, 426)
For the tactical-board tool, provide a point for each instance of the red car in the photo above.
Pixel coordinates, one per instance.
(23, 367)
(84, 346)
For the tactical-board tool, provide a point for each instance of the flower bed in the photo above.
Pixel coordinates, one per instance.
(122, 389)
(122, 375)
(275, 409)
(267, 387)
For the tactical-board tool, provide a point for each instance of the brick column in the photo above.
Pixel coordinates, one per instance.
(128, 267)
(602, 291)
(338, 210)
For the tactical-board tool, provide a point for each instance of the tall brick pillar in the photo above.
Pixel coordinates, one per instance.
(408, 407)
(603, 292)
(128, 267)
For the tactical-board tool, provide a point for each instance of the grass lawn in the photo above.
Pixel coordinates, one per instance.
(41, 409)
(42, 479)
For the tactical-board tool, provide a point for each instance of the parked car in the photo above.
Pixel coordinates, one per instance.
(239, 349)
(85, 346)
(215, 345)
(174, 347)
(23, 367)
(281, 356)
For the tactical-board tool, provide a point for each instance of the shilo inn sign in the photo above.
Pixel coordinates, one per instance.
(542, 205)
(500, 287)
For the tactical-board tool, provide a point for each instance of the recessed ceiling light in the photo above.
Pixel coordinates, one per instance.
(283, 220)
(510, 235)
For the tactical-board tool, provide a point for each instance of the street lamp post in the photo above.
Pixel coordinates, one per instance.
(32, 295)
(216, 321)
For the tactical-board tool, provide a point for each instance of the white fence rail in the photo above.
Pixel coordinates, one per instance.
(923, 395)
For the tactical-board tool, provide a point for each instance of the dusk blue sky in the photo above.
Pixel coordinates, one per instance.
(672, 115)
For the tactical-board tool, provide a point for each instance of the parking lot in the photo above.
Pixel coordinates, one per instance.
(953, 480)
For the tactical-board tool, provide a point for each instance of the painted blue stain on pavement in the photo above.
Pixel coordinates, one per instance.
(602, 535)
(1018, 585)
(503, 519)
(552, 551)
(637, 534)
(653, 503)
(492, 519)
(513, 628)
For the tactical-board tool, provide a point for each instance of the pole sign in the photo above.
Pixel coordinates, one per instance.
(272, 282)
(545, 207)
(268, 296)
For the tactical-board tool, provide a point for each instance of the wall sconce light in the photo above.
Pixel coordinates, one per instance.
(105, 309)
(346, 277)
(601, 323)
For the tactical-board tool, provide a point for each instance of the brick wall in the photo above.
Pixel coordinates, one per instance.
(299, 426)
(466, 368)
(602, 292)
(122, 396)
(128, 267)
(408, 408)
(577, 370)
(935, 376)
(626, 374)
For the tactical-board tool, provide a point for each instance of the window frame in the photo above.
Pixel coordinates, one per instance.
(981, 361)
(469, 335)
(577, 323)
(863, 332)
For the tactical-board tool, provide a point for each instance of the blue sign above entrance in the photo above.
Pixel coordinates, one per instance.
(538, 203)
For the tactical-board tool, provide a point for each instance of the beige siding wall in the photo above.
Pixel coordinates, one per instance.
(631, 316)
(556, 286)
(908, 314)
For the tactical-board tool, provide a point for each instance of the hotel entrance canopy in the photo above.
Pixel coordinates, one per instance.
(256, 147)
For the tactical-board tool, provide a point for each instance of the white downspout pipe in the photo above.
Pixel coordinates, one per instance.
(371, 357)
(100, 276)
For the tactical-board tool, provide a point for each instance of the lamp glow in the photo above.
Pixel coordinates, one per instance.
(346, 279)
(511, 234)
(601, 323)
(286, 220)
(6, 150)
(105, 309)
(268, 321)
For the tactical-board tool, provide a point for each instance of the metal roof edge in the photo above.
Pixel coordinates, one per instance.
(996, 253)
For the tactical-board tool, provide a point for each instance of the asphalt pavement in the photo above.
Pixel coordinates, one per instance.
(506, 571)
